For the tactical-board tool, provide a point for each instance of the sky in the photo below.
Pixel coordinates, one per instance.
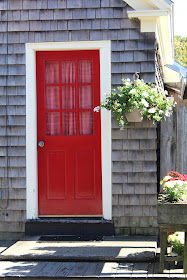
(180, 17)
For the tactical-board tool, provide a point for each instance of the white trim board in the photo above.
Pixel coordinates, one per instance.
(31, 120)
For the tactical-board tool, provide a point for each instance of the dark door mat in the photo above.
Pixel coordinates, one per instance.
(70, 238)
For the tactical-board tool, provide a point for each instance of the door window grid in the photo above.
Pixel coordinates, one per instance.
(69, 105)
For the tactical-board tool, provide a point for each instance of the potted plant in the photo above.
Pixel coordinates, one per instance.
(172, 206)
(172, 215)
(150, 102)
(176, 240)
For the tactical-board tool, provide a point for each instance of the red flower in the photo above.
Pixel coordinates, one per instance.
(171, 232)
(176, 176)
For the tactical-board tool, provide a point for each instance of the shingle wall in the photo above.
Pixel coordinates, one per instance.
(23, 21)
(135, 179)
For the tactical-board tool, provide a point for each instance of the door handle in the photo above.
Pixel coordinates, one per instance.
(41, 144)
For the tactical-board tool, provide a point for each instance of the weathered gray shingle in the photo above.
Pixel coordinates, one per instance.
(15, 5)
(117, 3)
(118, 13)
(123, 34)
(34, 15)
(3, 5)
(134, 34)
(42, 4)
(46, 14)
(79, 13)
(73, 25)
(105, 3)
(140, 55)
(131, 45)
(86, 24)
(91, 13)
(114, 23)
(126, 56)
(118, 45)
(132, 67)
(13, 37)
(62, 4)
(29, 5)
(82, 35)
(60, 36)
(52, 4)
(91, 4)
(24, 15)
(74, 4)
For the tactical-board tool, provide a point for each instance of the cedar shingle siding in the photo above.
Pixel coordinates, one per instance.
(134, 152)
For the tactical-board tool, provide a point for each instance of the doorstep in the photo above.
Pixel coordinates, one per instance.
(69, 226)
(111, 248)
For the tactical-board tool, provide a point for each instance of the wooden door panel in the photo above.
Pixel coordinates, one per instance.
(69, 164)
(56, 175)
(84, 174)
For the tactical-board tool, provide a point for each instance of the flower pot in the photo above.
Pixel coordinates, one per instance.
(134, 116)
(172, 214)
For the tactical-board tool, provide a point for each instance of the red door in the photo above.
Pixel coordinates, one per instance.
(68, 133)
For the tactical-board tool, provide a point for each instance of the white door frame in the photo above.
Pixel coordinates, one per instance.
(31, 120)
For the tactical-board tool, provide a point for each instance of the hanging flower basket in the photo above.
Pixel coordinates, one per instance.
(150, 101)
(134, 116)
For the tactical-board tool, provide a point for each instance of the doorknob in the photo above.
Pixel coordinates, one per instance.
(41, 144)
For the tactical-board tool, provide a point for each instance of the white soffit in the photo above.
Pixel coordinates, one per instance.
(171, 76)
(156, 16)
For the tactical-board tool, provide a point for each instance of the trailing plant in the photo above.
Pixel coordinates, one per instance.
(152, 103)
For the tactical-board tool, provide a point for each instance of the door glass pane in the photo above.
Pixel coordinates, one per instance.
(51, 72)
(85, 71)
(52, 123)
(68, 72)
(85, 97)
(52, 97)
(68, 97)
(85, 123)
(69, 123)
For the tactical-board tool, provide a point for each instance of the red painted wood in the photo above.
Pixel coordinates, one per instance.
(69, 166)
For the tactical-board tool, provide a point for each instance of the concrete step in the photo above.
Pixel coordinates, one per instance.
(117, 249)
(74, 226)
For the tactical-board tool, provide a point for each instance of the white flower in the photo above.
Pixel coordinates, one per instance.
(166, 178)
(153, 90)
(152, 110)
(128, 80)
(127, 83)
(145, 103)
(166, 92)
(106, 94)
(96, 109)
(161, 112)
(133, 91)
(167, 114)
(183, 197)
(145, 94)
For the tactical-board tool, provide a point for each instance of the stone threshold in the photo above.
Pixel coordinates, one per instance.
(111, 248)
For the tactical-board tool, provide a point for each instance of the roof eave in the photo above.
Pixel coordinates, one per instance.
(156, 16)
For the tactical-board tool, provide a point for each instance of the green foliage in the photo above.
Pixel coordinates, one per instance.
(152, 103)
(174, 189)
(181, 50)
(176, 240)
